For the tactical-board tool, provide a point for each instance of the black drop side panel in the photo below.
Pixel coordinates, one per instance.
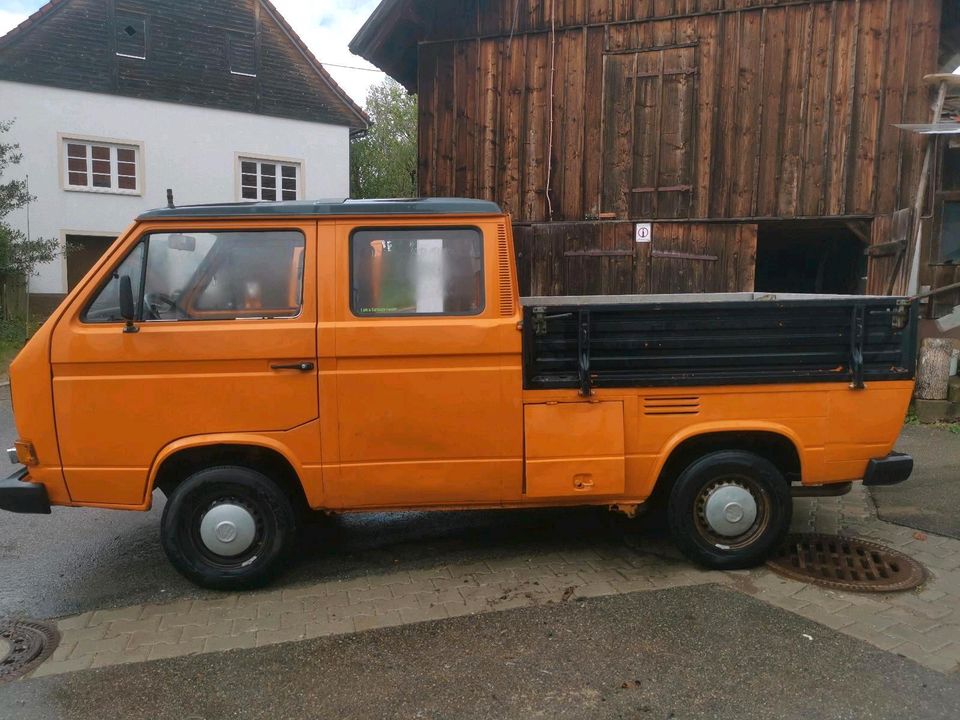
(718, 343)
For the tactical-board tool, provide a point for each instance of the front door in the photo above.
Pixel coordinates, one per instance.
(225, 343)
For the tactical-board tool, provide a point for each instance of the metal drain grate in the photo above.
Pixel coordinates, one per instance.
(846, 564)
(24, 644)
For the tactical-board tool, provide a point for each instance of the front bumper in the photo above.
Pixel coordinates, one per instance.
(23, 497)
(889, 470)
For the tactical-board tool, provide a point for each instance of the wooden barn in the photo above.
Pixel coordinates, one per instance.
(756, 137)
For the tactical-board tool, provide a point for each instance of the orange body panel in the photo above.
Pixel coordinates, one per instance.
(399, 412)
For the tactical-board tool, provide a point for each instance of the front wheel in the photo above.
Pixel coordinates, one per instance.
(228, 528)
(729, 510)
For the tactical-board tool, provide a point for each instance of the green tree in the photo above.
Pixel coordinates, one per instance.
(19, 255)
(383, 163)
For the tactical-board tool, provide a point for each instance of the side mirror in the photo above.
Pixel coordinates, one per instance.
(128, 309)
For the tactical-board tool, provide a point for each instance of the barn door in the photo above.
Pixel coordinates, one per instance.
(649, 108)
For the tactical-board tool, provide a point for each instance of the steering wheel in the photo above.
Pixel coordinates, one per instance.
(155, 300)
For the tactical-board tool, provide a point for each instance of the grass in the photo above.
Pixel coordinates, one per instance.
(13, 335)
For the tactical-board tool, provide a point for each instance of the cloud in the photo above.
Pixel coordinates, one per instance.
(326, 27)
(10, 18)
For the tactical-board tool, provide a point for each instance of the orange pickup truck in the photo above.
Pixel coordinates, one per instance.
(257, 362)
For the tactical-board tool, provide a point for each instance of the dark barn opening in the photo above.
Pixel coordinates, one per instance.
(806, 257)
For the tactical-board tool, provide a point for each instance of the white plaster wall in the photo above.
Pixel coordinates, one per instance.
(190, 149)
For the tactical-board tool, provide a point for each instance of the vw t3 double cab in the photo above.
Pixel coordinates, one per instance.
(258, 362)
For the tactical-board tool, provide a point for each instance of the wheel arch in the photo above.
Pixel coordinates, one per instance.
(189, 455)
(776, 443)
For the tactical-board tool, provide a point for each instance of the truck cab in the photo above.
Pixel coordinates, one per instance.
(261, 361)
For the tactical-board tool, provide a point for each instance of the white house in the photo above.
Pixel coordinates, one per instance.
(115, 101)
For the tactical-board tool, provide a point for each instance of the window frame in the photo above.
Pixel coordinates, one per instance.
(408, 228)
(232, 38)
(114, 145)
(144, 239)
(279, 162)
(125, 16)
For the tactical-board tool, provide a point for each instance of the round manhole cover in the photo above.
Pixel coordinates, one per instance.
(24, 644)
(846, 564)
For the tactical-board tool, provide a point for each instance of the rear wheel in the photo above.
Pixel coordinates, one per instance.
(228, 528)
(729, 510)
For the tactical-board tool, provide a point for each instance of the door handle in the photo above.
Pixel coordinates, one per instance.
(301, 367)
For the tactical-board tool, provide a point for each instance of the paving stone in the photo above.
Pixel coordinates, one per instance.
(279, 607)
(242, 625)
(191, 647)
(928, 642)
(274, 637)
(102, 617)
(340, 626)
(373, 593)
(872, 635)
(119, 627)
(64, 666)
(230, 642)
(217, 629)
(180, 607)
(76, 622)
(423, 614)
(202, 617)
(97, 632)
(92, 647)
(154, 637)
(105, 659)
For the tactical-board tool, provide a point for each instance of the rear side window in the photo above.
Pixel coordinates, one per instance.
(209, 276)
(427, 271)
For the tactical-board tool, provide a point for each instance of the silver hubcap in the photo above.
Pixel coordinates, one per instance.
(730, 510)
(228, 529)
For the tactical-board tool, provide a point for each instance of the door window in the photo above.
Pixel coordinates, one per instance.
(105, 307)
(210, 276)
(426, 271)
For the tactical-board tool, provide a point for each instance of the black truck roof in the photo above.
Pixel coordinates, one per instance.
(408, 206)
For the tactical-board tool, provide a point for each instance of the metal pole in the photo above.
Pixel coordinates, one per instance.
(26, 285)
(913, 274)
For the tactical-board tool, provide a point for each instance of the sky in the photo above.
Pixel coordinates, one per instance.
(326, 26)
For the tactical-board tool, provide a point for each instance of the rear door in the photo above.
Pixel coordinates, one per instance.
(226, 342)
(428, 365)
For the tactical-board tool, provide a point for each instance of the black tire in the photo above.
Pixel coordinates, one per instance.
(268, 504)
(693, 534)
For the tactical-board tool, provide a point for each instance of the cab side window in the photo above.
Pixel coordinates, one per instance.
(425, 271)
(222, 275)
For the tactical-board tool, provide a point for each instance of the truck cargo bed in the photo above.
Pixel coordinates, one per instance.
(715, 339)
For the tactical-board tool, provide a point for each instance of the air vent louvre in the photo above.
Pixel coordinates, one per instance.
(671, 405)
(507, 306)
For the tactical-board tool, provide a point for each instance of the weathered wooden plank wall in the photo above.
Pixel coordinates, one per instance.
(596, 111)
(764, 110)
(603, 258)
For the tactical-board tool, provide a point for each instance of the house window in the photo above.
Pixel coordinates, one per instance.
(101, 167)
(269, 180)
(241, 54)
(132, 36)
(427, 271)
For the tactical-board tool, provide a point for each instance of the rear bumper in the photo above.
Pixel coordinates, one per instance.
(889, 470)
(23, 497)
